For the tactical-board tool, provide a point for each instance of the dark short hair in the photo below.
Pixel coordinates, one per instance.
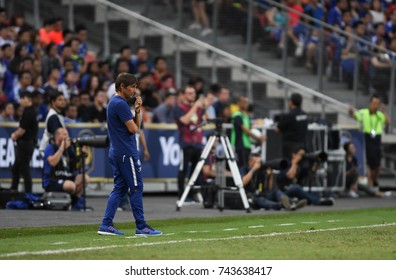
(126, 79)
(374, 96)
(296, 99)
(54, 94)
(25, 93)
(346, 146)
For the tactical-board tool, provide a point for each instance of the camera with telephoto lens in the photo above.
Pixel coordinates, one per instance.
(278, 164)
(97, 141)
(316, 157)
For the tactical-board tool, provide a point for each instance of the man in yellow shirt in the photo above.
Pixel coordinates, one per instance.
(372, 122)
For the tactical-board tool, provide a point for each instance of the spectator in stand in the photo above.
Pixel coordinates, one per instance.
(198, 84)
(71, 114)
(92, 69)
(160, 70)
(376, 12)
(380, 70)
(56, 34)
(37, 68)
(97, 110)
(334, 16)
(165, 112)
(5, 35)
(24, 84)
(390, 27)
(75, 100)
(105, 75)
(19, 54)
(83, 109)
(7, 54)
(24, 39)
(38, 103)
(122, 64)
(75, 54)
(122, 67)
(52, 81)
(69, 86)
(124, 53)
(44, 32)
(200, 17)
(150, 97)
(167, 84)
(82, 35)
(379, 29)
(67, 36)
(142, 68)
(141, 55)
(3, 16)
(93, 86)
(7, 112)
(223, 99)
(50, 60)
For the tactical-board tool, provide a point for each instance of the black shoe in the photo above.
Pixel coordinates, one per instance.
(329, 201)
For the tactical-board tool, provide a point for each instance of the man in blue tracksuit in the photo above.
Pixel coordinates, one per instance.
(124, 157)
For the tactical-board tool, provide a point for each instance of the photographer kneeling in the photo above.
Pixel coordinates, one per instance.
(259, 183)
(60, 172)
(292, 177)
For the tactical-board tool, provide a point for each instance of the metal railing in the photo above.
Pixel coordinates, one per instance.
(216, 56)
(287, 83)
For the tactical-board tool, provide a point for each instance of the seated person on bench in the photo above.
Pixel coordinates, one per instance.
(60, 169)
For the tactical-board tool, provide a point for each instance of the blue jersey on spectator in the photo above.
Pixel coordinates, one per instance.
(122, 142)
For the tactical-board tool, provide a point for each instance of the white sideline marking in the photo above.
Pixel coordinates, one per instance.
(334, 221)
(285, 225)
(72, 250)
(310, 223)
(229, 229)
(261, 226)
(59, 243)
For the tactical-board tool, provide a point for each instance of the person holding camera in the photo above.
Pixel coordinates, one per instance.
(293, 126)
(291, 178)
(189, 114)
(241, 132)
(259, 184)
(372, 121)
(124, 157)
(60, 169)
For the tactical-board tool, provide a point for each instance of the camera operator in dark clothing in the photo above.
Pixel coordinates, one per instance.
(259, 183)
(26, 139)
(293, 126)
(60, 169)
(292, 178)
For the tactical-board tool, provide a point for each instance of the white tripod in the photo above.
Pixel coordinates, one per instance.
(229, 155)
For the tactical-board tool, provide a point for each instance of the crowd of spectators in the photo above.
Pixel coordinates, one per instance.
(54, 58)
(371, 20)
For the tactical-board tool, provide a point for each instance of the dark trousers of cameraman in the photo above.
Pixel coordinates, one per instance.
(23, 155)
(189, 155)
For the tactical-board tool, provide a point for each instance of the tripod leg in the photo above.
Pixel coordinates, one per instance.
(234, 170)
(196, 172)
